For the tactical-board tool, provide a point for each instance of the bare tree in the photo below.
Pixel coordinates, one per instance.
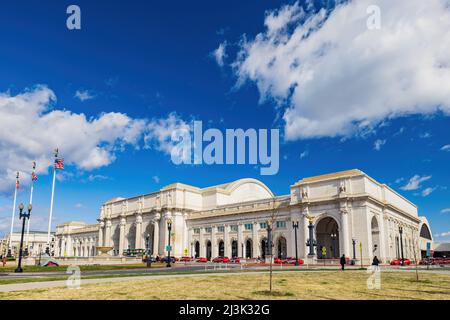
(415, 246)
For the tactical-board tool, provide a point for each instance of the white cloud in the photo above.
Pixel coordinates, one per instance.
(426, 192)
(446, 210)
(159, 132)
(94, 177)
(304, 154)
(83, 95)
(31, 128)
(155, 179)
(443, 234)
(378, 144)
(220, 53)
(446, 147)
(79, 205)
(425, 135)
(414, 182)
(337, 77)
(399, 180)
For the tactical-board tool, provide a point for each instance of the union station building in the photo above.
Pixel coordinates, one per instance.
(344, 211)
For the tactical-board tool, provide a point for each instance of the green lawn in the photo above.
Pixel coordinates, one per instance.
(82, 268)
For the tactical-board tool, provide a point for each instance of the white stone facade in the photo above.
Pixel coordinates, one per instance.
(231, 220)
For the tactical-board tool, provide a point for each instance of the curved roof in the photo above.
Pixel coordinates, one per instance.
(231, 186)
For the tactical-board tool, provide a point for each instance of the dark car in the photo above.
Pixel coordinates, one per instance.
(166, 259)
(149, 259)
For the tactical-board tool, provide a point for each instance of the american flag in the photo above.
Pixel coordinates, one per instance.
(17, 184)
(59, 163)
(33, 176)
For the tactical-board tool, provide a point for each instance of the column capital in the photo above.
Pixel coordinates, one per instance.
(138, 218)
(108, 223)
(123, 221)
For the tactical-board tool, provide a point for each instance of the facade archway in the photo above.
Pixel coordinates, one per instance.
(131, 237)
(327, 235)
(149, 234)
(375, 237)
(234, 248)
(282, 248)
(221, 248)
(264, 248)
(248, 248)
(425, 232)
(197, 249)
(208, 250)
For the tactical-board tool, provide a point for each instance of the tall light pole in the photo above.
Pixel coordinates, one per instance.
(333, 243)
(354, 248)
(13, 214)
(58, 164)
(33, 179)
(22, 216)
(311, 243)
(169, 227)
(269, 247)
(295, 226)
(400, 230)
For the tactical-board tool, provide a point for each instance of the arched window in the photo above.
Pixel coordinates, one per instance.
(425, 232)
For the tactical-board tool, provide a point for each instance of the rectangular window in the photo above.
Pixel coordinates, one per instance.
(208, 230)
(234, 228)
(281, 224)
(263, 225)
(196, 230)
(248, 226)
(220, 229)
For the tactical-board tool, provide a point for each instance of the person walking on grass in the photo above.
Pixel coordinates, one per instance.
(375, 263)
(342, 261)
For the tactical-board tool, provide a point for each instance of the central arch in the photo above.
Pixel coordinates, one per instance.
(234, 248)
(221, 249)
(208, 250)
(197, 249)
(327, 235)
(281, 248)
(248, 248)
(375, 237)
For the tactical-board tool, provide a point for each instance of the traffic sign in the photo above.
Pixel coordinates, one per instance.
(168, 248)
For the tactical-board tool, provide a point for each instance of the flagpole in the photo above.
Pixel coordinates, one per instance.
(51, 205)
(31, 202)
(13, 213)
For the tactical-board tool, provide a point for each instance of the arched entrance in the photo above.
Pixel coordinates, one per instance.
(234, 248)
(248, 248)
(327, 235)
(197, 249)
(208, 250)
(375, 237)
(264, 248)
(281, 248)
(221, 248)
(149, 238)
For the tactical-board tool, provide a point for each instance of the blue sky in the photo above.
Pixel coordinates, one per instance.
(150, 60)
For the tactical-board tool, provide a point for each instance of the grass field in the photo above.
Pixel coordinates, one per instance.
(288, 285)
(82, 267)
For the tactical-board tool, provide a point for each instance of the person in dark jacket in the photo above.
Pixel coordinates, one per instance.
(343, 262)
(375, 263)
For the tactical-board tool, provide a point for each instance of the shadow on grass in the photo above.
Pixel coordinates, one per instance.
(274, 293)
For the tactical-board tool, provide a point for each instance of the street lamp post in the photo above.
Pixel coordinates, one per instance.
(22, 216)
(169, 227)
(333, 242)
(147, 251)
(354, 248)
(400, 230)
(311, 243)
(269, 247)
(295, 226)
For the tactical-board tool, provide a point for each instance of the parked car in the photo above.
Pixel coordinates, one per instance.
(149, 259)
(280, 261)
(292, 261)
(235, 260)
(201, 259)
(221, 259)
(166, 259)
(397, 262)
(186, 259)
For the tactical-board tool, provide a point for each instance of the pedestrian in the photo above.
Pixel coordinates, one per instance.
(343, 262)
(375, 263)
(4, 261)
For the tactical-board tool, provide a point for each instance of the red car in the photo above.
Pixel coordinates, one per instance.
(292, 261)
(201, 259)
(279, 261)
(221, 259)
(186, 259)
(235, 260)
(398, 262)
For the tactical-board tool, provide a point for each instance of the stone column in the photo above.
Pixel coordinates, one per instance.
(107, 239)
(100, 233)
(69, 246)
(123, 223)
(226, 240)
(214, 245)
(138, 239)
(202, 243)
(155, 237)
(345, 233)
(240, 236)
(383, 236)
(255, 239)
